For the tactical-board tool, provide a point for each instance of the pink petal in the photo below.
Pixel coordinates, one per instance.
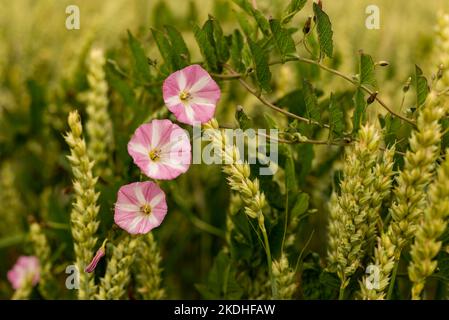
(25, 267)
(136, 222)
(181, 113)
(165, 136)
(203, 112)
(195, 80)
(93, 264)
(197, 77)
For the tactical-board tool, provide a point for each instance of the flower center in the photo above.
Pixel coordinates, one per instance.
(154, 154)
(185, 96)
(145, 209)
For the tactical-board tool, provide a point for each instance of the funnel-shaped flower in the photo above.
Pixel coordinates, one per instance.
(191, 94)
(161, 149)
(140, 207)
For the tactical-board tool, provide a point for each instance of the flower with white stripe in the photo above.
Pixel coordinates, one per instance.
(140, 207)
(161, 149)
(191, 94)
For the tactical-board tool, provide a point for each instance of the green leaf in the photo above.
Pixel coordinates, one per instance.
(260, 59)
(243, 120)
(273, 193)
(221, 44)
(245, 5)
(324, 29)
(312, 109)
(359, 112)
(301, 205)
(293, 8)
(141, 66)
(289, 169)
(180, 51)
(261, 20)
(367, 71)
(336, 117)
(206, 47)
(316, 282)
(283, 39)
(247, 28)
(236, 51)
(271, 123)
(12, 240)
(222, 283)
(165, 49)
(422, 87)
(304, 163)
(293, 102)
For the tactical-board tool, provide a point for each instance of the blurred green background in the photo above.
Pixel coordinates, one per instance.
(42, 71)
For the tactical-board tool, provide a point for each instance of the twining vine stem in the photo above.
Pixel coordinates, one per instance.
(235, 75)
(264, 100)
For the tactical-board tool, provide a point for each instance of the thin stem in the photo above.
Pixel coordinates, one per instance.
(122, 73)
(57, 225)
(226, 76)
(341, 294)
(202, 225)
(303, 250)
(12, 240)
(266, 102)
(286, 221)
(274, 291)
(347, 78)
(196, 221)
(393, 278)
(308, 141)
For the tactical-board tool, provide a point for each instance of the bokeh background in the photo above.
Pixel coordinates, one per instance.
(42, 72)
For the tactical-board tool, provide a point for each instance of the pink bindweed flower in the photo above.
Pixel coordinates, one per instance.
(161, 149)
(140, 207)
(191, 94)
(98, 255)
(26, 269)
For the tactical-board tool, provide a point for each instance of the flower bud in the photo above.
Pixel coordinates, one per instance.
(100, 253)
(372, 97)
(407, 85)
(307, 25)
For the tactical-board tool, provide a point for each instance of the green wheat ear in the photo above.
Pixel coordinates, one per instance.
(42, 251)
(429, 230)
(146, 269)
(118, 271)
(285, 277)
(434, 221)
(238, 176)
(409, 194)
(99, 125)
(84, 222)
(354, 213)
